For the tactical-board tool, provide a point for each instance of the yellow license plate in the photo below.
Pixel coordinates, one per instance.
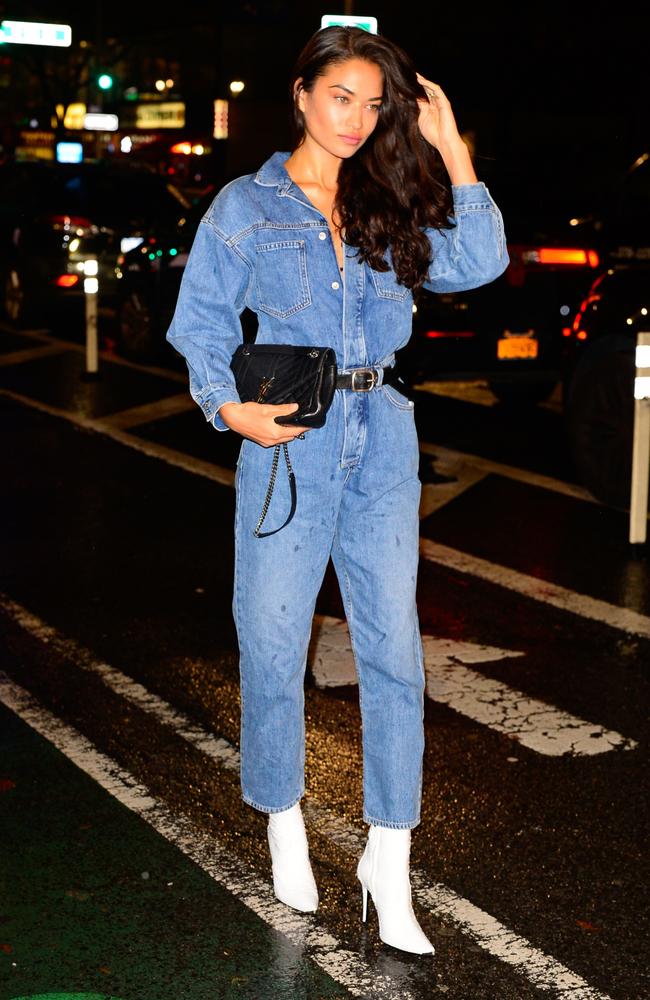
(517, 347)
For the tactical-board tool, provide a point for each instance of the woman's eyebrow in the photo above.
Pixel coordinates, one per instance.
(347, 90)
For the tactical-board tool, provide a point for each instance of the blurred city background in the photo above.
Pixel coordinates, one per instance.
(131, 868)
(562, 83)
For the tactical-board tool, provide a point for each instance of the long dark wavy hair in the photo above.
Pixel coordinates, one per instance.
(396, 183)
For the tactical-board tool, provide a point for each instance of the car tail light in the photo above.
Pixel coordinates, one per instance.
(566, 255)
(577, 328)
(553, 256)
(67, 280)
(448, 334)
(525, 258)
(69, 222)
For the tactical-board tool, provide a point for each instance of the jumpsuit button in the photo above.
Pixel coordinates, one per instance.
(335, 284)
(322, 236)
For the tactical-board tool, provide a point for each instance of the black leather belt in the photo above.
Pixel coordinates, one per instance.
(365, 379)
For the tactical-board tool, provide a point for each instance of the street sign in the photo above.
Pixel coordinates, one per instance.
(168, 114)
(350, 20)
(35, 33)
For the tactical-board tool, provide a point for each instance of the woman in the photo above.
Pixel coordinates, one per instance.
(328, 245)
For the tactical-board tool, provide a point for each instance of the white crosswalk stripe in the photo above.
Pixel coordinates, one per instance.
(542, 970)
(533, 723)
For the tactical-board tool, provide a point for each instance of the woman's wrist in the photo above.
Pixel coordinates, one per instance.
(458, 162)
(226, 410)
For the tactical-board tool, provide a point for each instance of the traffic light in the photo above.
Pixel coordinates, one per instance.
(104, 81)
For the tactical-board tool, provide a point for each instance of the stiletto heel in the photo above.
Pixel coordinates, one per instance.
(293, 879)
(364, 896)
(383, 870)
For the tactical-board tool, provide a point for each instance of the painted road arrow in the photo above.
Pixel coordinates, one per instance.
(536, 724)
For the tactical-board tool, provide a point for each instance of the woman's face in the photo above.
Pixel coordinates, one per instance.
(343, 105)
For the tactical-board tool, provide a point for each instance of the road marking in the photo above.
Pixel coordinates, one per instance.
(452, 462)
(205, 850)
(29, 354)
(460, 477)
(332, 661)
(167, 407)
(623, 619)
(197, 466)
(478, 392)
(109, 356)
(535, 724)
(616, 617)
(490, 934)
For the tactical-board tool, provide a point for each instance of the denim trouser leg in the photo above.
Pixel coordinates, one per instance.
(277, 580)
(358, 500)
(377, 583)
(375, 555)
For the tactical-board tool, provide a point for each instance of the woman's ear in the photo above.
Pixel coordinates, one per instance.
(298, 92)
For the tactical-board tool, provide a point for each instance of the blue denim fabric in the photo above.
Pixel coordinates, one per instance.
(264, 245)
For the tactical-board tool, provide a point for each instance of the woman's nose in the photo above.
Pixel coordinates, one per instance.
(354, 118)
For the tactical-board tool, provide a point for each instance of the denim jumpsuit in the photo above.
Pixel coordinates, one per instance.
(264, 245)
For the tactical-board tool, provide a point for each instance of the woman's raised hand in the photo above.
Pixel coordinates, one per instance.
(436, 122)
(257, 422)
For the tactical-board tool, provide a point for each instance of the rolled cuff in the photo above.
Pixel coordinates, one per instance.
(474, 195)
(212, 399)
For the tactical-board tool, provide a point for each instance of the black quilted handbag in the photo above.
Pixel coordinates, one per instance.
(284, 373)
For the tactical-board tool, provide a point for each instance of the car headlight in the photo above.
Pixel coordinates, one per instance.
(130, 243)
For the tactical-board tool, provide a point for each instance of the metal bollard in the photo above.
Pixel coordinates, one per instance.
(91, 286)
(641, 442)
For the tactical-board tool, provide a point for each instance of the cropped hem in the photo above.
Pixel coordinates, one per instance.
(271, 809)
(406, 825)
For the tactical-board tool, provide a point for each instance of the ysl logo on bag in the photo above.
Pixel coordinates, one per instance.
(264, 388)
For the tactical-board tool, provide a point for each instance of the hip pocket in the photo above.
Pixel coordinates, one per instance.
(397, 399)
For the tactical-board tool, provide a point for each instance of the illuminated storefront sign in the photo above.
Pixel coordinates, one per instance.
(164, 115)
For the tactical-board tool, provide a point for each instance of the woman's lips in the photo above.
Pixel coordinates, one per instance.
(354, 140)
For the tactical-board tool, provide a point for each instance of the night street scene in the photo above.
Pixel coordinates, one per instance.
(324, 569)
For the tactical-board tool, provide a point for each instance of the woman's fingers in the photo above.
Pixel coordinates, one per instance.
(433, 90)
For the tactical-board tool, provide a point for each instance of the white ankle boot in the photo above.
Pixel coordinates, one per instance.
(293, 879)
(383, 870)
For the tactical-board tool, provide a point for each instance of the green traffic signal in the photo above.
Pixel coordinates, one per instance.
(105, 81)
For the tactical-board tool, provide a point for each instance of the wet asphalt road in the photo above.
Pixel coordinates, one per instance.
(530, 864)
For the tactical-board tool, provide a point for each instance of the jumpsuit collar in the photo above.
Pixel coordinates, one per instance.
(272, 173)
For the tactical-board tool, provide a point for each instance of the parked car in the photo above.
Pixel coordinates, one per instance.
(149, 279)
(599, 388)
(53, 216)
(511, 331)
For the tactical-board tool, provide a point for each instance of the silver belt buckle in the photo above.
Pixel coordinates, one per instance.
(366, 372)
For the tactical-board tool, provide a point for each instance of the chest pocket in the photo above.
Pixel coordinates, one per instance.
(386, 286)
(281, 277)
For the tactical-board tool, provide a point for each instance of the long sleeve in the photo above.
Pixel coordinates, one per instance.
(474, 252)
(206, 327)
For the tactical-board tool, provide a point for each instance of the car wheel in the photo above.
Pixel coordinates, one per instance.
(599, 418)
(521, 394)
(136, 327)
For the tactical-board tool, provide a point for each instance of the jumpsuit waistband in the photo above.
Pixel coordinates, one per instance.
(366, 379)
